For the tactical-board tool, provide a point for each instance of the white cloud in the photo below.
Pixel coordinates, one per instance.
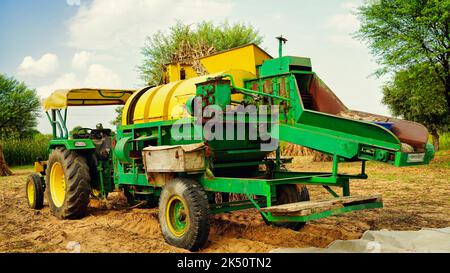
(42, 67)
(68, 80)
(343, 25)
(98, 76)
(124, 24)
(278, 16)
(343, 22)
(350, 5)
(73, 2)
(81, 59)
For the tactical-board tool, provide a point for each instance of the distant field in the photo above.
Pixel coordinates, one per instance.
(22, 152)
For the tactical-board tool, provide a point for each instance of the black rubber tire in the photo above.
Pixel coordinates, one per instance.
(36, 183)
(192, 193)
(287, 194)
(77, 189)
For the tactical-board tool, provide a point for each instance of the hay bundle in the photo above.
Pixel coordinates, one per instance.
(295, 150)
(190, 54)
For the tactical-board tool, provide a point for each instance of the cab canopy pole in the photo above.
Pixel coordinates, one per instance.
(58, 126)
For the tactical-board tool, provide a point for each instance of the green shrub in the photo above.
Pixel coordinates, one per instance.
(445, 141)
(21, 152)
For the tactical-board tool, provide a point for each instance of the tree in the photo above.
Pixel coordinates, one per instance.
(416, 94)
(118, 120)
(19, 107)
(186, 43)
(411, 37)
(404, 33)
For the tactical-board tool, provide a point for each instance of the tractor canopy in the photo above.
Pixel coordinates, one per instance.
(62, 99)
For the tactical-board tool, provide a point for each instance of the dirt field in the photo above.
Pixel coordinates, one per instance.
(414, 198)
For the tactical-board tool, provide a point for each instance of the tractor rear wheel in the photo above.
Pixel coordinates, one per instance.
(184, 214)
(287, 194)
(68, 184)
(35, 192)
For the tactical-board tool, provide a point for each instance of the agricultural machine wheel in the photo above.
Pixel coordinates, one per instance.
(68, 184)
(184, 214)
(287, 194)
(35, 192)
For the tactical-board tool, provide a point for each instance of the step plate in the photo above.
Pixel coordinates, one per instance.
(312, 207)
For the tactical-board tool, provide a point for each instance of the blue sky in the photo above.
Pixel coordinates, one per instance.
(53, 44)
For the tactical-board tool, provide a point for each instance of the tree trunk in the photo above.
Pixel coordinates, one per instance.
(436, 144)
(4, 169)
(447, 94)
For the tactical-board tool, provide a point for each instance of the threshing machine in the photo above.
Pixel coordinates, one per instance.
(187, 145)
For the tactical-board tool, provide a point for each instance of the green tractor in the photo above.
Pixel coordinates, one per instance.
(186, 145)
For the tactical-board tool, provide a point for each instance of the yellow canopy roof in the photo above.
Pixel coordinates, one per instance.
(61, 99)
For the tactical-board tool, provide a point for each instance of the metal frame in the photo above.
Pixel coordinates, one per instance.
(265, 190)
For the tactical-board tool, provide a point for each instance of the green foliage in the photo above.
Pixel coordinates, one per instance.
(201, 39)
(404, 33)
(445, 141)
(21, 152)
(78, 130)
(19, 107)
(416, 95)
(118, 120)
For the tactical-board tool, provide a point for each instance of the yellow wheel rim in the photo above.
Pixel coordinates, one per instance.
(177, 215)
(30, 192)
(57, 185)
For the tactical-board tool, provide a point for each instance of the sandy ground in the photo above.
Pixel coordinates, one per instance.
(414, 198)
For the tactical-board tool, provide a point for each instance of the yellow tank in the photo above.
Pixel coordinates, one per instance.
(167, 102)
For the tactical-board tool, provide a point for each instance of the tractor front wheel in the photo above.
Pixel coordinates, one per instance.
(68, 184)
(35, 192)
(184, 214)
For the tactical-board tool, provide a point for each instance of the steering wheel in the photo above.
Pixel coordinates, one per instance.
(83, 131)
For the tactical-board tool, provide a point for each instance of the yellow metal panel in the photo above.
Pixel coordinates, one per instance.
(156, 109)
(168, 98)
(39, 167)
(127, 106)
(244, 58)
(61, 99)
(190, 72)
(143, 105)
(174, 72)
(260, 56)
(148, 103)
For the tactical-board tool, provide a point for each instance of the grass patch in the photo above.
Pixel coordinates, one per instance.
(22, 168)
(445, 141)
